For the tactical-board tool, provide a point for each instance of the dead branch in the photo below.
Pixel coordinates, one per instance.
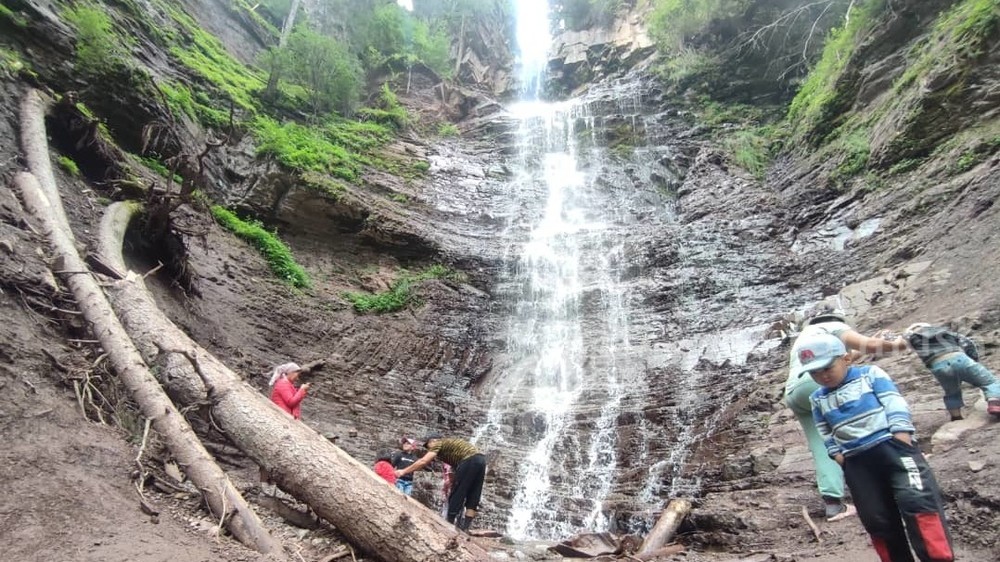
(812, 525)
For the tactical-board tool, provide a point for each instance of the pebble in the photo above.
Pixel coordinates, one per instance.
(976, 466)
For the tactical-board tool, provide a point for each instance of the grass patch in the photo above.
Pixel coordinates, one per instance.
(204, 54)
(961, 33)
(160, 168)
(386, 111)
(448, 130)
(906, 165)
(197, 107)
(14, 18)
(975, 155)
(855, 147)
(10, 62)
(67, 163)
(750, 149)
(99, 48)
(400, 294)
(818, 100)
(275, 252)
(323, 184)
(305, 149)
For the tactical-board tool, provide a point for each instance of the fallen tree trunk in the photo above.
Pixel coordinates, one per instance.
(666, 526)
(225, 501)
(664, 551)
(371, 514)
(42, 200)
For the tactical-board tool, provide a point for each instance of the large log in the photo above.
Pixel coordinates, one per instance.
(666, 526)
(372, 515)
(224, 500)
(42, 200)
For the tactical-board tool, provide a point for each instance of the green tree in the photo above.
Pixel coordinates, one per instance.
(581, 14)
(326, 67)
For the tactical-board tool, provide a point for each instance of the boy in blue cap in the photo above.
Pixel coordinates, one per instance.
(866, 426)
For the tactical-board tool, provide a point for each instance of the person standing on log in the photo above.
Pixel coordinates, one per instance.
(825, 319)
(283, 391)
(470, 473)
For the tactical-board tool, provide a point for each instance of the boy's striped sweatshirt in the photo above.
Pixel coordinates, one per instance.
(865, 410)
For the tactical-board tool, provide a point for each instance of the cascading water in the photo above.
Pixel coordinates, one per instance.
(567, 366)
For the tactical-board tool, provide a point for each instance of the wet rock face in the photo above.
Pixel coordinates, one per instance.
(582, 58)
(698, 255)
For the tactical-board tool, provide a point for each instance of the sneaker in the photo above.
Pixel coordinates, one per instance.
(846, 510)
(993, 406)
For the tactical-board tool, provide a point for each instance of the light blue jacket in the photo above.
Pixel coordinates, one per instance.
(865, 410)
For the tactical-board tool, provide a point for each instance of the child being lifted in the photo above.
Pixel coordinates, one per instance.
(953, 359)
(866, 426)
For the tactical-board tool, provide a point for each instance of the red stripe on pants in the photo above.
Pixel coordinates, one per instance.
(935, 539)
(882, 549)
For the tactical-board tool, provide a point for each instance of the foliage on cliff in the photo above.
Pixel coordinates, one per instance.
(918, 106)
(277, 254)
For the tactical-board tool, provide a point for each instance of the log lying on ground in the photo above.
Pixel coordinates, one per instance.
(663, 551)
(42, 200)
(225, 501)
(372, 515)
(666, 526)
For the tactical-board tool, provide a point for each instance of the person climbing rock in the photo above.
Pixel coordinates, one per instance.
(283, 390)
(953, 359)
(470, 472)
(866, 428)
(825, 319)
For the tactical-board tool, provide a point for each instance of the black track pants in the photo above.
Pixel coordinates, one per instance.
(468, 486)
(897, 497)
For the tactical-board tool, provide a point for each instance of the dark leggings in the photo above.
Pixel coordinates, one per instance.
(468, 486)
(898, 499)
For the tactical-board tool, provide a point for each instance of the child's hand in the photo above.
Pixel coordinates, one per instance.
(904, 437)
(839, 458)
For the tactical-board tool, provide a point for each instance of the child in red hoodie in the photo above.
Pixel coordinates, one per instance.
(383, 467)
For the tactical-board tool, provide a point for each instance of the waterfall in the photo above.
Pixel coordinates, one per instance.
(568, 363)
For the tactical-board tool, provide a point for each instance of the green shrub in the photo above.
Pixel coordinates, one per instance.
(278, 256)
(10, 62)
(327, 69)
(67, 163)
(182, 101)
(673, 21)
(400, 294)
(387, 110)
(323, 184)
(448, 130)
(750, 150)
(582, 14)
(963, 32)
(98, 47)
(304, 148)
(855, 148)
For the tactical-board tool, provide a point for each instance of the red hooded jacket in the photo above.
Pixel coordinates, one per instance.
(287, 397)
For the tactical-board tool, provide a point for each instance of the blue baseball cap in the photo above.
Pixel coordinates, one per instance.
(818, 351)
